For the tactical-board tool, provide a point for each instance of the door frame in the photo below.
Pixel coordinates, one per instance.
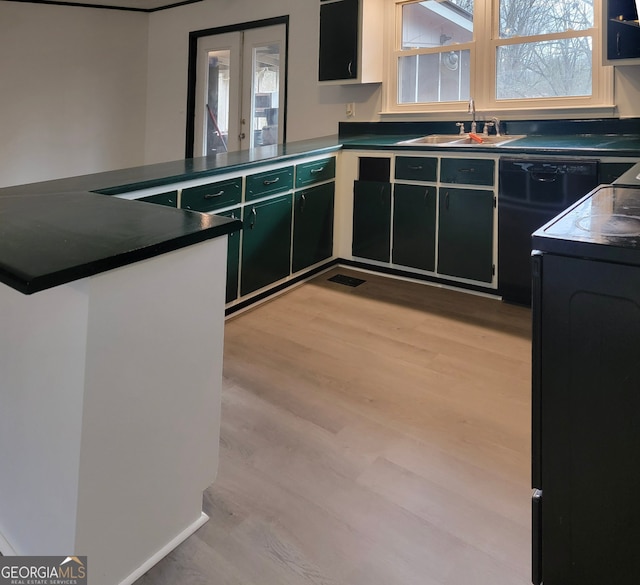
(193, 67)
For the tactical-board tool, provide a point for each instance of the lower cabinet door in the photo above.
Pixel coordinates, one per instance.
(465, 233)
(266, 243)
(233, 257)
(372, 220)
(414, 226)
(313, 225)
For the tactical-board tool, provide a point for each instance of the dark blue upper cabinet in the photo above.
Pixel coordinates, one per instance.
(622, 32)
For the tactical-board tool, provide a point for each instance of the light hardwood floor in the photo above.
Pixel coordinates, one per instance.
(376, 435)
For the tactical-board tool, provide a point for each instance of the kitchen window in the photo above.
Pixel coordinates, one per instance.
(506, 54)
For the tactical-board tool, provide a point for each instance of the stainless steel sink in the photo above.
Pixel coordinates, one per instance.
(433, 139)
(461, 140)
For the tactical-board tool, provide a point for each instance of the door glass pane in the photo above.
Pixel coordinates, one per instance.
(217, 106)
(537, 17)
(436, 23)
(434, 77)
(265, 98)
(555, 68)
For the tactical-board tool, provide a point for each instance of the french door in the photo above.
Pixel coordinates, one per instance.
(240, 90)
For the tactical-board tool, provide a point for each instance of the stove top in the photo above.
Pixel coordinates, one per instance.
(605, 224)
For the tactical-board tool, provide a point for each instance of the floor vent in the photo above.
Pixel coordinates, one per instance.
(347, 280)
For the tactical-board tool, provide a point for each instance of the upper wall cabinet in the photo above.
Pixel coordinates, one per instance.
(351, 41)
(621, 32)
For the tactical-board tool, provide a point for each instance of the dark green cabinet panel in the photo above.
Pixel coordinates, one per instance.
(372, 220)
(338, 55)
(416, 168)
(212, 196)
(266, 243)
(269, 183)
(414, 226)
(608, 172)
(233, 257)
(315, 172)
(313, 225)
(169, 199)
(465, 235)
(467, 171)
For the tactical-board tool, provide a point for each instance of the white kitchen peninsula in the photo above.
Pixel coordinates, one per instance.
(109, 380)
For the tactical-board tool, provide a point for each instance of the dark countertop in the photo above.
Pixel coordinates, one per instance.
(589, 137)
(54, 232)
(51, 239)
(567, 145)
(156, 175)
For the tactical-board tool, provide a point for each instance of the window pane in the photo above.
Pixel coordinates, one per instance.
(435, 24)
(436, 77)
(266, 92)
(536, 17)
(217, 114)
(547, 69)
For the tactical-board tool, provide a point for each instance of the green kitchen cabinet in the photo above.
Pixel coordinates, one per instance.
(416, 168)
(372, 220)
(233, 256)
(268, 183)
(313, 225)
(266, 243)
(317, 171)
(338, 55)
(170, 199)
(414, 226)
(467, 171)
(212, 196)
(465, 233)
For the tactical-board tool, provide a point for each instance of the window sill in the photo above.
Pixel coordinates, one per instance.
(537, 113)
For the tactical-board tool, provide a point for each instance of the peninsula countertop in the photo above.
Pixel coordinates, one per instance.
(55, 232)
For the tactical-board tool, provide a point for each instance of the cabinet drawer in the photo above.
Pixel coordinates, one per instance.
(467, 171)
(314, 172)
(268, 183)
(213, 195)
(416, 168)
(170, 199)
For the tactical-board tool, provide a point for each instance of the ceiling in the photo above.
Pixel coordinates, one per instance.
(141, 5)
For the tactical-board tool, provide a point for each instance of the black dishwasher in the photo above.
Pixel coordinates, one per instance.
(532, 191)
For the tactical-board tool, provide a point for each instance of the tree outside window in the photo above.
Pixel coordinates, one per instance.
(530, 50)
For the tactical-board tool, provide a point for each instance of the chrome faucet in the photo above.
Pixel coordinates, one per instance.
(496, 123)
(472, 110)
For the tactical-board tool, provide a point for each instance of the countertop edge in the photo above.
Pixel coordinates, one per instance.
(208, 173)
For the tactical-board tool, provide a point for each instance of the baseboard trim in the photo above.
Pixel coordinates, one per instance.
(279, 288)
(165, 550)
(420, 278)
(6, 550)
(283, 287)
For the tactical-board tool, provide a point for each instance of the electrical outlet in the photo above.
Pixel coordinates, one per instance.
(351, 109)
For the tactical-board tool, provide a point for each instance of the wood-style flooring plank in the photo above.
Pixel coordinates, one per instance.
(376, 435)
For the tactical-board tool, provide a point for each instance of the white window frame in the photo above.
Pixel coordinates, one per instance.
(483, 71)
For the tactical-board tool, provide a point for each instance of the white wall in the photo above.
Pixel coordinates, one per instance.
(72, 91)
(627, 91)
(313, 110)
(85, 90)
